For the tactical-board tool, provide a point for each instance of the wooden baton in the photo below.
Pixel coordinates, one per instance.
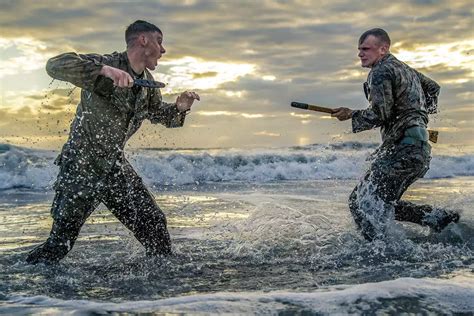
(432, 134)
(306, 106)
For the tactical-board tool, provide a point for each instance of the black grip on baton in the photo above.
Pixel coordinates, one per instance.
(300, 105)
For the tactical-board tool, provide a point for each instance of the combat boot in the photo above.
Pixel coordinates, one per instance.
(438, 219)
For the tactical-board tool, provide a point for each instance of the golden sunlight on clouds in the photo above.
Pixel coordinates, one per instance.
(306, 117)
(238, 94)
(21, 55)
(452, 55)
(230, 113)
(265, 133)
(469, 110)
(469, 95)
(448, 129)
(32, 140)
(252, 116)
(14, 100)
(189, 73)
(349, 74)
(303, 116)
(269, 78)
(40, 100)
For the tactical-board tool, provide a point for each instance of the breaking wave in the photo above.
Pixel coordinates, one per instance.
(34, 169)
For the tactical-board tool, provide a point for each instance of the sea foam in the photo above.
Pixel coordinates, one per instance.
(394, 296)
(34, 169)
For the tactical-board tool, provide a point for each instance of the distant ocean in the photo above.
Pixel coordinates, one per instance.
(263, 231)
(34, 169)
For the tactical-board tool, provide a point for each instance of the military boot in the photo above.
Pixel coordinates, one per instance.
(438, 219)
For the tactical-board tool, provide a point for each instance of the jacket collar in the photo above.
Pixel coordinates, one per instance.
(383, 59)
(129, 67)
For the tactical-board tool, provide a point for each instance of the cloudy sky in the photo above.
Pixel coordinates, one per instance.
(247, 59)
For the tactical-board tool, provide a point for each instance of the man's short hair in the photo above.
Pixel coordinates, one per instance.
(380, 34)
(137, 27)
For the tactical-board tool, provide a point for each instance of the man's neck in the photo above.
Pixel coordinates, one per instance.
(382, 58)
(136, 61)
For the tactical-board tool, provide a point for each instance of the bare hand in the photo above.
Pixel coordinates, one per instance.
(342, 114)
(185, 100)
(121, 78)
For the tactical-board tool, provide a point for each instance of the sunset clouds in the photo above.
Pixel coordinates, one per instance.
(247, 59)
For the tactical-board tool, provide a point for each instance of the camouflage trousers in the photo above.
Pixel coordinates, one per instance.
(124, 194)
(376, 199)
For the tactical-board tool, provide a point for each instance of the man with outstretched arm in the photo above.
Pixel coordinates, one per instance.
(93, 168)
(400, 99)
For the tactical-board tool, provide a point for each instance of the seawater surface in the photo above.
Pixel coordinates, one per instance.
(259, 244)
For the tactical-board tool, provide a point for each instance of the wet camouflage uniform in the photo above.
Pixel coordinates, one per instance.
(400, 99)
(93, 168)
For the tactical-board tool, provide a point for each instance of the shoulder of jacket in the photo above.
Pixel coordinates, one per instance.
(381, 72)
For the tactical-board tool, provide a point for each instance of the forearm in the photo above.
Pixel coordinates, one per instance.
(171, 114)
(363, 120)
(168, 115)
(80, 70)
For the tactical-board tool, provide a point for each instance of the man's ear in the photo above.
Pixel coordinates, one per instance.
(384, 49)
(142, 39)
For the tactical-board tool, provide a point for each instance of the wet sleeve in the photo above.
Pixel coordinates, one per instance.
(431, 90)
(82, 70)
(164, 113)
(380, 107)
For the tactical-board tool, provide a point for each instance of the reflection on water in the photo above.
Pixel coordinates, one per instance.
(277, 236)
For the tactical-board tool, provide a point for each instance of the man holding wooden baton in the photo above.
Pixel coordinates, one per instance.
(400, 99)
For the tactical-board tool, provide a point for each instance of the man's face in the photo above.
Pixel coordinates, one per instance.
(153, 49)
(371, 51)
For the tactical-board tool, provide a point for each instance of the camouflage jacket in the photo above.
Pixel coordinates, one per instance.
(106, 116)
(397, 96)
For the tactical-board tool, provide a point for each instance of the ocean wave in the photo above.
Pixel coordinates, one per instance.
(34, 169)
(26, 168)
(395, 296)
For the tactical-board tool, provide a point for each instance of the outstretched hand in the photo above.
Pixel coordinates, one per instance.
(185, 100)
(342, 114)
(121, 78)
